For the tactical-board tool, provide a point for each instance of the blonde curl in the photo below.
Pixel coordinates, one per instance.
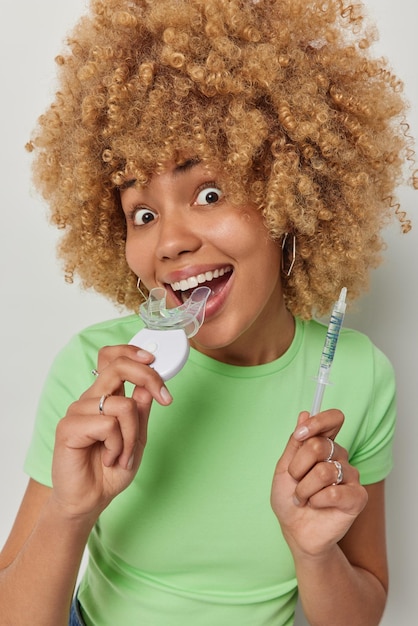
(282, 96)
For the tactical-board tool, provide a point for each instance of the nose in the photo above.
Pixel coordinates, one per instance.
(177, 236)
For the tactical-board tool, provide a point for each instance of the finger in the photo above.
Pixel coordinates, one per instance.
(292, 447)
(129, 368)
(107, 354)
(113, 443)
(347, 498)
(323, 476)
(314, 451)
(129, 419)
(143, 400)
(84, 433)
(118, 427)
(327, 423)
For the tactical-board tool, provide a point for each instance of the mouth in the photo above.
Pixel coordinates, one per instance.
(214, 279)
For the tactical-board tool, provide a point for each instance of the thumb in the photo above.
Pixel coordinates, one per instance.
(302, 417)
(292, 446)
(143, 400)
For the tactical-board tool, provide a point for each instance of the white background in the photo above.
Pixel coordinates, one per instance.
(39, 312)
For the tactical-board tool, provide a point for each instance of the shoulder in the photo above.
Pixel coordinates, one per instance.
(113, 331)
(356, 354)
(79, 355)
(353, 343)
(110, 332)
(317, 330)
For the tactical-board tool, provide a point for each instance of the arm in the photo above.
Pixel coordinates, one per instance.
(96, 456)
(336, 532)
(349, 584)
(40, 561)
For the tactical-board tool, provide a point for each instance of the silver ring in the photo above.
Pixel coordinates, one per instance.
(340, 474)
(95, 372)
(101, 403)
(332, 450)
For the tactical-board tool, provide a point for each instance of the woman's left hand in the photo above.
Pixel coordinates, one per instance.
(316, 494)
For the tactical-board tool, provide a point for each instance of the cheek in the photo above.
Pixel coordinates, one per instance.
(136, 257)
(252, 240)
(238, 231)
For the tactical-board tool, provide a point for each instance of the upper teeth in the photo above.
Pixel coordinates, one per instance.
(194, 281)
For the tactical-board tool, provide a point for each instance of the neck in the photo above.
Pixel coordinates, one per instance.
(266, 341)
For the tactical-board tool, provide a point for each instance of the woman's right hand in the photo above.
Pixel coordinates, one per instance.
(97, 454)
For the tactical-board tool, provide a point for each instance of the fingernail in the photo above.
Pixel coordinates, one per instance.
(143, 354)
(296, 500)
(131, 462)
(165, 395)
(301, 432)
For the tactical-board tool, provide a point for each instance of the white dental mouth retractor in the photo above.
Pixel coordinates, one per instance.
(167, 330)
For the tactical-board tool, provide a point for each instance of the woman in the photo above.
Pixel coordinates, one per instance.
(252, 147)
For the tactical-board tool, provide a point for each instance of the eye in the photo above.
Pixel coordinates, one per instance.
(142, 216)
(209, 195)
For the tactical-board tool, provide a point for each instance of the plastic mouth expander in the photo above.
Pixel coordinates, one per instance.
(167, 330)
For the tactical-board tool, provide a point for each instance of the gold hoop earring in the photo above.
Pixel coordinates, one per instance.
(293, 254)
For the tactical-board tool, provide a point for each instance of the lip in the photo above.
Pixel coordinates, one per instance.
(186, 273)
(216, 301)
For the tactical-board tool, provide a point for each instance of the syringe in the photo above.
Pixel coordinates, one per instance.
(328, 352)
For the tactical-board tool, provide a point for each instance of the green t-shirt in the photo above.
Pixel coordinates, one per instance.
(193, 540)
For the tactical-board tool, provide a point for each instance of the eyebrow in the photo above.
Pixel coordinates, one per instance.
(181, 168)
(127, 184)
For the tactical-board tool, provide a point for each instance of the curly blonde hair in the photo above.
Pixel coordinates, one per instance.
(282, 96)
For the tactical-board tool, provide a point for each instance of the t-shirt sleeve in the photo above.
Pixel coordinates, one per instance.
(69, 376)
(372, 452)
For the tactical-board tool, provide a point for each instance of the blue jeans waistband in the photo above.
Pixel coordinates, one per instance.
(76, 618)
